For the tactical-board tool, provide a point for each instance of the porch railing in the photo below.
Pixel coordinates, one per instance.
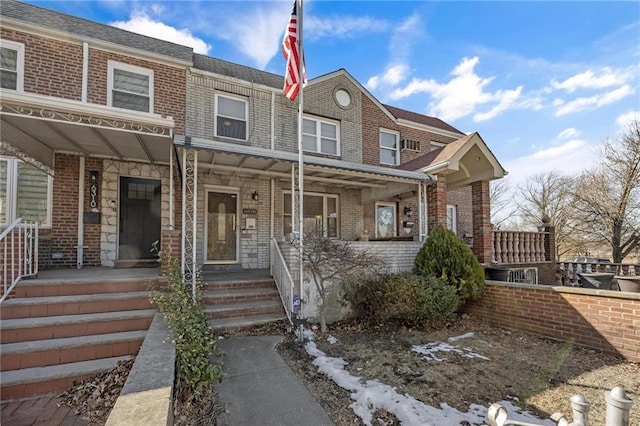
(511, 247)
(18, 254)
(282, 277)
(569, 270)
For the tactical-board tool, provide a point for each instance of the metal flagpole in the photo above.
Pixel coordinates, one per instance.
(301, 78)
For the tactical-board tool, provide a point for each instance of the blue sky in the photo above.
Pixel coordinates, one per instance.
(542, 82)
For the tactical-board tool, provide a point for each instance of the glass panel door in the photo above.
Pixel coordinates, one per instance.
(222, 236)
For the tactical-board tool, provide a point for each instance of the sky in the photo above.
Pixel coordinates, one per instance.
(543, 82)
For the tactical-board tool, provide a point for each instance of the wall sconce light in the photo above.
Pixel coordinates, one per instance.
(254, 196)
(467, 238)
(408, 211)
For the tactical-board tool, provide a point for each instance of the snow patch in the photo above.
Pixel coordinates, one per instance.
(430, 349)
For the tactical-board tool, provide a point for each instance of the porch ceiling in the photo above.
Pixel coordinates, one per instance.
(37, 127)
(240, 160)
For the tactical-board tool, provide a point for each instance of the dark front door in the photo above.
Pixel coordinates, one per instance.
(222, 238)
(139, 218)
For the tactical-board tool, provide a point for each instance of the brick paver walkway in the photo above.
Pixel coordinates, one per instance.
(42, 410)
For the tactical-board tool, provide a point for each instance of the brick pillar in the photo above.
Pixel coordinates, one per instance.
(170, 248)
(437, 203)
(482, 239)
(550, 241)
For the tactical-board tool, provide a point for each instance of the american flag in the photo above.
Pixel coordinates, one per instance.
(291, 52)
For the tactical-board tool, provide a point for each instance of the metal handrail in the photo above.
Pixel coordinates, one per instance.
(282, 277)
(19, 254)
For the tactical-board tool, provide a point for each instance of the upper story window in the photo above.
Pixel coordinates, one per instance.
(25, 192)
(231, 117)
(11, 65)
(389, 153)
(321, 136)
(130, 87)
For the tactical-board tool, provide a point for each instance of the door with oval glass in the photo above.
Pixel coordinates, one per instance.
(222, 226)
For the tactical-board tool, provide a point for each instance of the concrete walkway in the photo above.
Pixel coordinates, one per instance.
(260, 388)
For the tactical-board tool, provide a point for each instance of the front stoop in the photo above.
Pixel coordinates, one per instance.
(232, 303)
(53, 332)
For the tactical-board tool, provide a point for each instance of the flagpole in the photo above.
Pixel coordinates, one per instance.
(301, 77)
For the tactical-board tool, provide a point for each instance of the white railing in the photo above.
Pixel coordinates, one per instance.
(282, 277)
(18, 253)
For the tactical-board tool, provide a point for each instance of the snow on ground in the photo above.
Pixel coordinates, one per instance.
(373, 395)
(430, 349)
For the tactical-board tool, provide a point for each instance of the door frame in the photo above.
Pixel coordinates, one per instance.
(205, 221)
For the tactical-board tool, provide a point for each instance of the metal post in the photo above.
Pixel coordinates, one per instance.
(580, 407)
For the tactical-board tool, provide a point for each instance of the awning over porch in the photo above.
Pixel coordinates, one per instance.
(376, 182)
(37, 126)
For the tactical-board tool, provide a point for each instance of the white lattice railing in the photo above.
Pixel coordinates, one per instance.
(18, 253)
(282, 277)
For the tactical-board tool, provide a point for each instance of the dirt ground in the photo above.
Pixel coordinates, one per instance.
(541, 373)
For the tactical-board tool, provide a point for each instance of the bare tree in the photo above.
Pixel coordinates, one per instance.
(500, 198)
(329, 260)
(607, 198)
(550, 194)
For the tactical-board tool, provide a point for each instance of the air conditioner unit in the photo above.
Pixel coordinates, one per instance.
(410, 145)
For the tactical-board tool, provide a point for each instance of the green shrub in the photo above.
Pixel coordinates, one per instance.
(192, 336)
(406, 298)
(446, 256)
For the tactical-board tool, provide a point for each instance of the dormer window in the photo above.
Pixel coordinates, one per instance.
(130, 87)
(11, 65)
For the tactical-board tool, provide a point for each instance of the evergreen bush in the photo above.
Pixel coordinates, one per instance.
(446, 256)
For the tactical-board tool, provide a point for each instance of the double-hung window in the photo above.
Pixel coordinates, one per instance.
(320, 214)
(25, 192)
(231, 117)
(130, 87)
(389, 153)
(321, 136)
(11, 65)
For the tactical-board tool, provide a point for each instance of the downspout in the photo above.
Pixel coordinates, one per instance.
(85, 71)
(273, 199)
(171, 190)
(273, 113)
(80, 255)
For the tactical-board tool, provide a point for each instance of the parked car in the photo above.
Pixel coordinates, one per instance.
(584, 259)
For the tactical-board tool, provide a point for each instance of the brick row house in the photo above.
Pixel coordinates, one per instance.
(112, 141)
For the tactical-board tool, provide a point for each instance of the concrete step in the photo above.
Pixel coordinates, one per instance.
(221, 325)
(244, 309)
(27, 382)
(42, 353)
(45, 288)
(72, 305)
(54, 327)
(228, 284)
(240, 294)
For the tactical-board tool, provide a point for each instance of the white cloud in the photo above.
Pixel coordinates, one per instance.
(606, 77)
(624, 120)
(592, 102)
(139, 22)
(506, 99)
(569, 133)
(342, 26)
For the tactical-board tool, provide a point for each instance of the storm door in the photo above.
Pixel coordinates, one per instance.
(140, 218)
(222, 225)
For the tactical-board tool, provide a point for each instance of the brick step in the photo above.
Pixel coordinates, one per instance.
(42, 328)
(72, 305)
(42, 353)
(244, 309)
(16, 384)
(232, 295)
(259, 283)
(221, 325)
(47, 288)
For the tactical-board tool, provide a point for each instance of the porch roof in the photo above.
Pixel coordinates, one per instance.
(250, 161)
(35, 127)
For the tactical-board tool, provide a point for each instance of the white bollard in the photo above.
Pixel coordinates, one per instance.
(580, 407)
(618, 407)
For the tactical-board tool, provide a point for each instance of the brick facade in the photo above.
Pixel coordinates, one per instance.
(603, 320)
(437, 203)
(482, 243)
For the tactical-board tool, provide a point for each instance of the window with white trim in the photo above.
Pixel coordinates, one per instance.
(320, 214)
(321, 136)
(11, 65)
(389, 153)
(130, 87)
(25, 192)
(452, 218)
(231, 117)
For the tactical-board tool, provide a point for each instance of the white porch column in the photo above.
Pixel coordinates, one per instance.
(189, 215)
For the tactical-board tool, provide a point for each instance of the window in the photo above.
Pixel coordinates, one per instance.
(386, 224)
(389, 147)
(452, 220)
(231, 117)
(320, 136)
(320, 214)
(130, 87)
(11, 65)
(25, 192)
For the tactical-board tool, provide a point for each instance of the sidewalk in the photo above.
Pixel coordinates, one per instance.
(42, 410)
(260, 389)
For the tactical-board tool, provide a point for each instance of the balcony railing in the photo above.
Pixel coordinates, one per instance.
(510, 247)
(18, 253)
